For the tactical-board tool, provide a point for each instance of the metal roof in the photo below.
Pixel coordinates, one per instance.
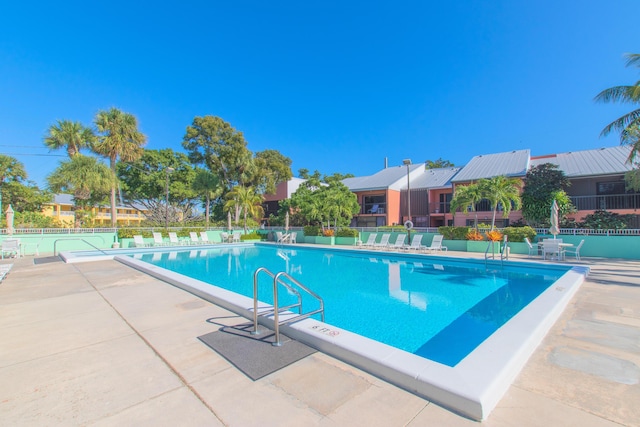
(434, 178)
(393, 178)
(512, 164)
(67, 199)
(600, 161)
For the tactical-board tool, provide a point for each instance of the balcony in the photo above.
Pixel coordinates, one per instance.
(608, 202)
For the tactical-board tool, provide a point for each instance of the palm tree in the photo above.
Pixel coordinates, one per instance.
(85, 177)
(121, 139)
(208, 184)
(71, 135)
(629, 123)
(501, 190)
(465, 198)
(249, 202)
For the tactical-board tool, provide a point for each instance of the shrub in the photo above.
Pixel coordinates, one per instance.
(605, 220)
(251, 236)
(347, 232)
(474, 235)
(392, 228)
(517, 234)
(454, 233)
(312, 230)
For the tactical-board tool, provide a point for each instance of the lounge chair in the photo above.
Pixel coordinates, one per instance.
(204, 237)
(399, 243)
(436, 244)
(416, 243)
(384, 241)
(11, 247)
(533, 250)
(158, 239)
(4, 270)
(371, 240)
(138, 241)
(374, 209)
(574, 251)
(194, 238)
(173, 238)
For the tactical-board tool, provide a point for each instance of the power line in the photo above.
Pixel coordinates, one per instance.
(34, 154)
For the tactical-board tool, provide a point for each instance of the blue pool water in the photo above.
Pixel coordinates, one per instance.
(437, 308)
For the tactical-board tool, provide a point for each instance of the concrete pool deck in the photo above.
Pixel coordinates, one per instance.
(102, 344)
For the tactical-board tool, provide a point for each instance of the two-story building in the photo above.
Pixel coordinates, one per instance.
(63, 210)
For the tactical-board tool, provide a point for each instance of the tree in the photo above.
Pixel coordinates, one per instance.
(15, 190)
(466, 198)
(628, 124)
(247, 201)
(144, 183)
(209, 185)
(70, 135)
(271, 168)
(542, 184)
(430, 164)
(215, 143)
(119, 139)
(501, 191)
(83, 176)
(11, 169)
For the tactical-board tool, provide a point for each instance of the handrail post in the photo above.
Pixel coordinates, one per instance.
(276, 325)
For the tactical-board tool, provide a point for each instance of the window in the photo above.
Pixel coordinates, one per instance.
(374, 204)
(613, 187)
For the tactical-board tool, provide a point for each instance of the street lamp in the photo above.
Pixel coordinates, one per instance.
(408, 163)
(166, 200)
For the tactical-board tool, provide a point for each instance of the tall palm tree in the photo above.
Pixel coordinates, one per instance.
(629, 123)
(70, 135)
(501, 190)
(210, 186)
(119, 139)
(85, 177)
(465, 198)
(249, 202)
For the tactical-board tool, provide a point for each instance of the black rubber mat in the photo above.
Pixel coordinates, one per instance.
(255, 355)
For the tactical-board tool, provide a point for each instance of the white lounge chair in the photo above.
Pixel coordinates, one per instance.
(384, 241)
(574, 251)
(173, 238)
(194, 238)
(138, 241)
(436, 244)
(416, 243)
(11, 247)
(158, 240)
(371, 240)
(204, 237)
(399, 243)
(4, 270)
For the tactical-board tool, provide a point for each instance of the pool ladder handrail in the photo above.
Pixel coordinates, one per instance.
(504, 251)
(276, 310)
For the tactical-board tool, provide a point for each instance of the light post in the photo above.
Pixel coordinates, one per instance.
(408, 163)
(166, 200)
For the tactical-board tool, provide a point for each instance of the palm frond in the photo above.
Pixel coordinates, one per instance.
(622, 123)
(619, 94)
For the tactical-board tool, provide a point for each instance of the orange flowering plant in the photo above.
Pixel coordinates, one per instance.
(327, 232)
(474, 235)
(494, 236)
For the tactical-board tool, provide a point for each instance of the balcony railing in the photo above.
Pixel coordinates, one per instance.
(609, 202)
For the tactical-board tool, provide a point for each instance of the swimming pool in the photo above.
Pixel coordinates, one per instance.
(442, 310)
(472, 386)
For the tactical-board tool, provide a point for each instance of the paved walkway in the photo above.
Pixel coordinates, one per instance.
(102, 344)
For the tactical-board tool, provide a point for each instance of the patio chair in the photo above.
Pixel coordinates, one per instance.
(553, 249)
(224, 237)
(236, 238)
(399, 243)
(436, 244)
(194, 238)
(173, 238)
(293, 237)
(158, 240)
(11, 247)
(533, 250)
(374, 209)
(575, 251)
(371, 240)
(4, 270)
(416, 243)
(384, 241)
(138, 241)
(204, 237)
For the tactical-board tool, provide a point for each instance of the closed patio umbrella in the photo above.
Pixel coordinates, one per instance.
(10, 220)
(554, 220)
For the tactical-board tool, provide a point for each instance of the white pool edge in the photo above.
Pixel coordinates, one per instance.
(472, 388)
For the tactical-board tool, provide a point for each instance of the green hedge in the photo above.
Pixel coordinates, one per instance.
(454, 233)
(312, 230)
(517, 234)
(347, 232)
(251, 236)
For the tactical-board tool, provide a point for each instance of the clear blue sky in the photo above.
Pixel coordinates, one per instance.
(334, 85)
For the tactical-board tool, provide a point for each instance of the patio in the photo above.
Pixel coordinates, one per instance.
(102, 344)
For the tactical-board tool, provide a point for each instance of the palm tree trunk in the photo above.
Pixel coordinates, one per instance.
(114, 215)
(207, 210)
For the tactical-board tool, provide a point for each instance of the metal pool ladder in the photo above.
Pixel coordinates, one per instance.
(293, 286)
(504, 251)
